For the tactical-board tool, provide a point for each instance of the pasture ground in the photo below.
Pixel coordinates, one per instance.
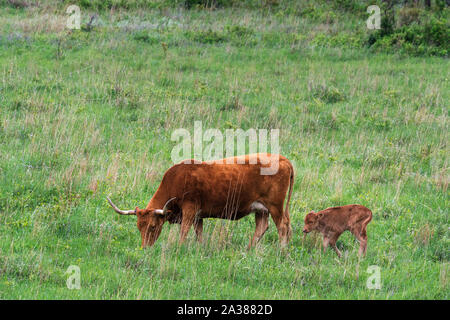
(89, 113)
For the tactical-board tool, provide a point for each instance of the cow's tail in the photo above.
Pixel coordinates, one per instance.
(286, 209)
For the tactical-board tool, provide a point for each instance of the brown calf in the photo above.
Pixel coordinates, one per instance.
(332, 222)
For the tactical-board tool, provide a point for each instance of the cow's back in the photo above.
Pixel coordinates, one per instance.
(229, 187)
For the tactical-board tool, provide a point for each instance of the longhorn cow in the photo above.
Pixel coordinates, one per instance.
(191, 191)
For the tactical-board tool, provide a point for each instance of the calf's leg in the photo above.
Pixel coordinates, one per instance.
(362, 238)
(333, 241)
(359, 231)
(325, 243)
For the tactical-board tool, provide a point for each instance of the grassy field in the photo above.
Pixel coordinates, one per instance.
(90, 113)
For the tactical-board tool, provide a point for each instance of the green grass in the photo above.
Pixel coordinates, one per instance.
(88, 114)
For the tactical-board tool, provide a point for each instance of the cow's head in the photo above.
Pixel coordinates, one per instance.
(149, 221)
(312, 221)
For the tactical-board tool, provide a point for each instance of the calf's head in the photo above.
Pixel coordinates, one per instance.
(312, 221)
(149, 221)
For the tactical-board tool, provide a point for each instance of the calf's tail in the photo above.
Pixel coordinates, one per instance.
(368, 219)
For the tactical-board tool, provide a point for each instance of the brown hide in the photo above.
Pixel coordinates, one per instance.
(226, 191)
(332, 222)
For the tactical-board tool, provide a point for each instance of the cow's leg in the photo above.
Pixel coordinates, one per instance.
(198, 226)
(188, 217)
(283, 225)
(261, 221)
(262, 224)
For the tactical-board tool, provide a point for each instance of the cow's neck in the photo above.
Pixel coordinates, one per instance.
(158, 200)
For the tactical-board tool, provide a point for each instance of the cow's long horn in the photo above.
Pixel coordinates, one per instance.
(163, 212)
(123, 212)
(166, 206)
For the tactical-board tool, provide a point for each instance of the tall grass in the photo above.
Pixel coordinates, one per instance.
(85, 114)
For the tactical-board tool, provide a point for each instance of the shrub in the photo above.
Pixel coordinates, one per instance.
(240, 35)
(418, 33)
(239, 31)
(144, 36)
(436, 32)
(353, 6)
(208, 36)
(407, 15)
(341, 40)
(208, 3)
(326, 93)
